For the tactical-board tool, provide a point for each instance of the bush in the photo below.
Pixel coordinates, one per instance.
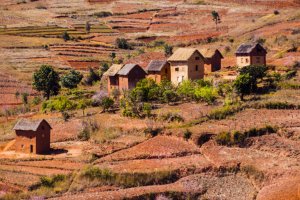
(66, 36)
(222, 113)
(71, 80)
(122, 43)
(276, 12)
(65, 115)
(84, 135)
(60, 103)
(152, 131)
(103, 14)
(187, 134)
(172, 117)
(290, 74)
(223, 138)
(169, 96)
(207, 94)
(107, 103)
(92, 78)
(51, 181)
(36, 100)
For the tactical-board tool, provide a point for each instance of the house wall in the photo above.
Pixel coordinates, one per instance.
(159, 76)
(123, 83)
(258, 60)
(23, 141)
(179, 72)
(134, 76)
(243, 61)
(112, 83)
(43, 139)
(193, 73)
(216, 63)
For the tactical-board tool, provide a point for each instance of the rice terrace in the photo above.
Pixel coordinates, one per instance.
(143, 99)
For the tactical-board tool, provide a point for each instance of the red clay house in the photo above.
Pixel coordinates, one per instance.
(213, 60)
(112, 77)
(159, 70)
(129, 75)
(32, 136)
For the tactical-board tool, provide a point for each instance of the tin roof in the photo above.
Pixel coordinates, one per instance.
(113, 70)
(248, 48)
(29, 125)
(127, 68)
(156, 65)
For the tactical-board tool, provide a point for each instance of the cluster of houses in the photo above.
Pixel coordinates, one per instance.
(183, 64)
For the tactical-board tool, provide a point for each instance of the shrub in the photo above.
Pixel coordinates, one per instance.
(92, 77)
(168, 50)
(107, 103)
(187, 134)
(222, 113)
(172, 117)
(207, 94)
(84, 134)
(51, 181)
(24, 97)
(276, 12)
(36, 100)
(147, 107)
(152, 131)
(60, 103)
(66, 36)
(169, 96)
(223, 138)
(65, 115)
(103, 14)
(71, 80)
(290, 74)
(122, 43)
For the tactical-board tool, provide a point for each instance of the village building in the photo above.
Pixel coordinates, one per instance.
(251, 54)
(159, 70)
(113, 77)
(186, 63)
(32, 136)
(213, 60)
(129, 75)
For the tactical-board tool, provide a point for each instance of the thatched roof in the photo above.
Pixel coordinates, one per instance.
(29, 125)
(248, 48)
(183, 54)
(208, 53)
(156, 65)
(113, 70)
(127, 68)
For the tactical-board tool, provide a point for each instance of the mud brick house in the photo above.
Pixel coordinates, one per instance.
(213, 60)
(32, 136)
(158, 70)
(250, 54)
(186, 63)
(129, 75)
(112, 77)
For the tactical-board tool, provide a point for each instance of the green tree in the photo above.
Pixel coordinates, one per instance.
(186, 89)
(169, 96)
(256, 73)
(207, 94)
(66, 36)
(92, 77)
(107, 103)
(72, 79)
(168, 50)
(242, 85)
(46, 80)
(216, 18)
(87, 27)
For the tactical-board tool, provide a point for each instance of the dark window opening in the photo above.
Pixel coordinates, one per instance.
(166, 70)
(31, 148)
(176, 69)
(197, 58)
(196, 67)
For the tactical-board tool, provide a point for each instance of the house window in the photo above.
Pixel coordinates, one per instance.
(247, 60)
(22, 146)
(176, 69)
(196, 68)
(197, 58)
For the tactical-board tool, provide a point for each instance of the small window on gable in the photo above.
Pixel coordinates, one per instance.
(177, 69)
(43, 127)
(196, 68)
(197, 58)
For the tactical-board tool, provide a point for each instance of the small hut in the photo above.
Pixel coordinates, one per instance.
(32, 136)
